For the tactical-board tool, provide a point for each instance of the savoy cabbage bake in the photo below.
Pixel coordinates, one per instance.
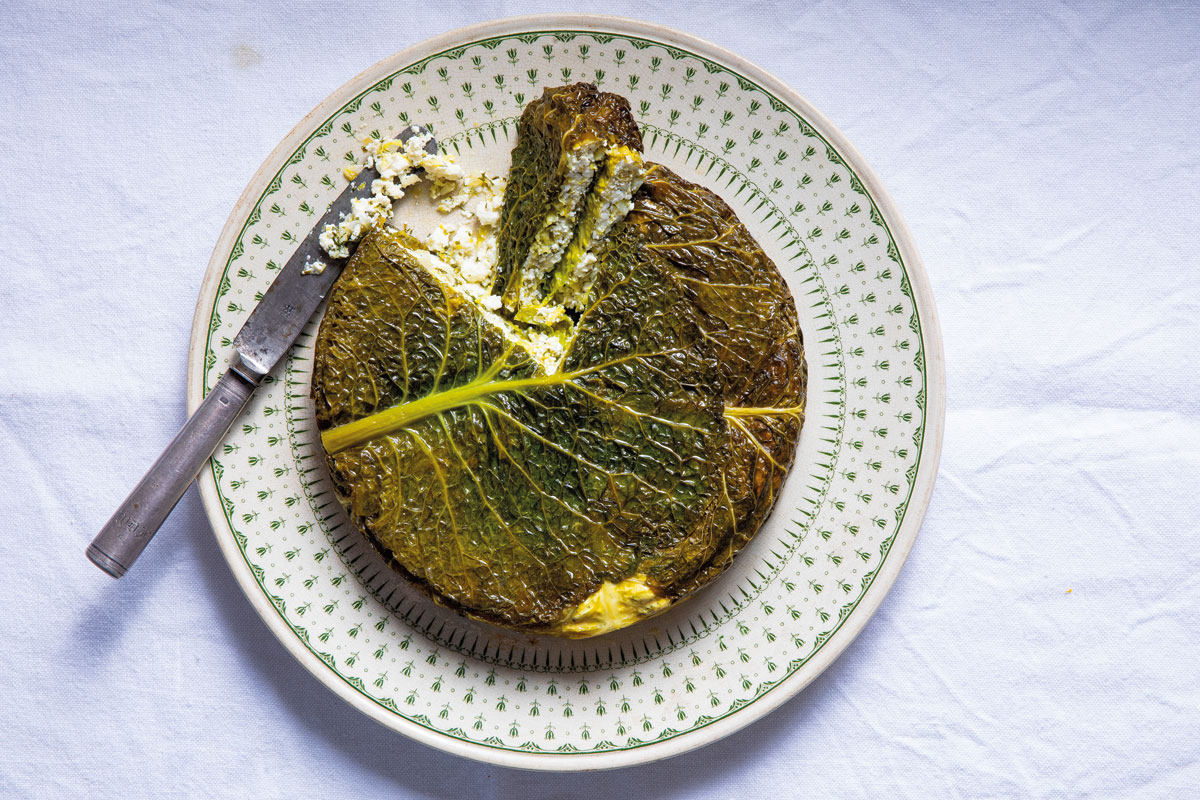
(600, 434)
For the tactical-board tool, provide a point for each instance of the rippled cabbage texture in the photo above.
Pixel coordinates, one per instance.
(576, 497)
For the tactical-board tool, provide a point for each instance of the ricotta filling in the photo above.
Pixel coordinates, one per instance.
(578, 168)
(398, 163)
(613, 606)
(313, 267)
(607, 204)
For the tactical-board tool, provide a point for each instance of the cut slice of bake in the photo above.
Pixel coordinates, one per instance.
(575, 166)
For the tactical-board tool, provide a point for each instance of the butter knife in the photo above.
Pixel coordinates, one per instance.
(263, 341)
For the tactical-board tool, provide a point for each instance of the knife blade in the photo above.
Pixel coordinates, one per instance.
(272, 327)
(263, 341)
(285, 309)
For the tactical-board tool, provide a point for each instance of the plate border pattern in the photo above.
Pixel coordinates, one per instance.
(923, 323)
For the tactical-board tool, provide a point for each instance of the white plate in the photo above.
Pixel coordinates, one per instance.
(797, 595)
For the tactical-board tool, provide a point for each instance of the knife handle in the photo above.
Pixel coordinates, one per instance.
(130, 529)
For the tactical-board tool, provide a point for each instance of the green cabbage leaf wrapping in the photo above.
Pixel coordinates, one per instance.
(582, 496)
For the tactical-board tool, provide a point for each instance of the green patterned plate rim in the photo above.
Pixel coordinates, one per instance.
(803, 589)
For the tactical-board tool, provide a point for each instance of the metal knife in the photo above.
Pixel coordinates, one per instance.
(263, 341)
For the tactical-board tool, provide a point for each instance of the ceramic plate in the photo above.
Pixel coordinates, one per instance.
(797, 595)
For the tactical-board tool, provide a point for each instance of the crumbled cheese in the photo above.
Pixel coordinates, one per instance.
(397, 162)
(470, 244)
(487, 211)
(313, 268)
(365, 213)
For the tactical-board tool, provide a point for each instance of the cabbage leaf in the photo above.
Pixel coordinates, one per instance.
(580, 496)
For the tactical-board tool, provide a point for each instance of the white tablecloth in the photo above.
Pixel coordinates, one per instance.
(1043, 638)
